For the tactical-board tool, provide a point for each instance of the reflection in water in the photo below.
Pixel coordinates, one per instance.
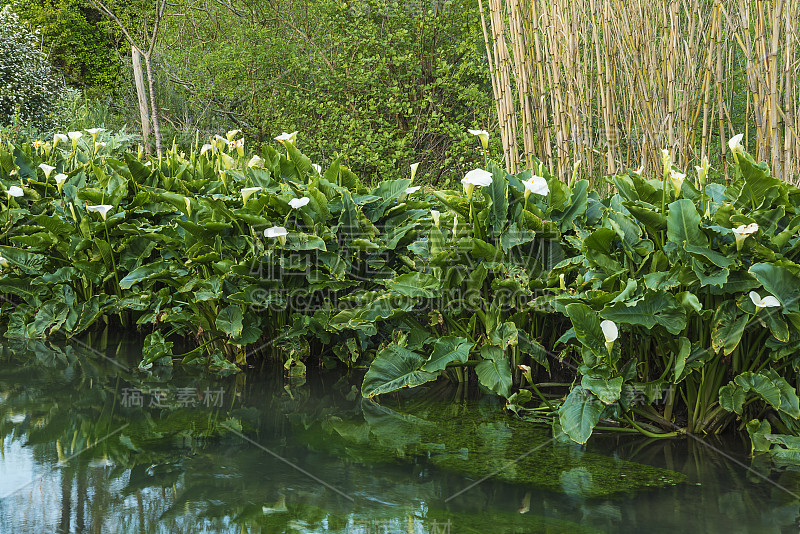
(87, 448)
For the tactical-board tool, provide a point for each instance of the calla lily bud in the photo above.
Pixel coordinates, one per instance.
(435, 214)
(666, 161)
(610, 332)
(413, 170)
(247, 191)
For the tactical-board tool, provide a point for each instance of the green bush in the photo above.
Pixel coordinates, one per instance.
(28, 88)
(81, 42)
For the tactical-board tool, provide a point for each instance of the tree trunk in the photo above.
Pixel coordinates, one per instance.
(153, 108)
(144, 112)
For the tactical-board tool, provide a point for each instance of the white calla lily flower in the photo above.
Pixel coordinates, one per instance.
(435, 214)
(256, 162)
(742, 231)
(277, 232)
(297, 203)
(677, 179)
(536, 185)
(413, 189)
(735, 144)
(47, 169)
(59, 137)
(94, 132)
(60, 178)
(317, 168)
(74, 136)
(102, 209)
(3, 262)
(15, 191)
(248, 191)
(231, 134)
(476, 178)
(206, 148)
(610, 333)
(291, 137)
(767, 302)
(483, 135)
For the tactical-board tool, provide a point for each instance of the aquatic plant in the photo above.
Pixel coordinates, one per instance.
(653, 308)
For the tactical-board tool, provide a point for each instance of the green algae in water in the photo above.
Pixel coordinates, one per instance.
(479, 443)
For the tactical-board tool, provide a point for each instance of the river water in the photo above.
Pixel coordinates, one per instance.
(90, 444)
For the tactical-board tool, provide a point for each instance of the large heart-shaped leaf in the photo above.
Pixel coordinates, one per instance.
(394, 368)
(579, 414)
(446, 350)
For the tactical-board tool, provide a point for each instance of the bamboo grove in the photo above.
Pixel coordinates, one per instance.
(612, 83)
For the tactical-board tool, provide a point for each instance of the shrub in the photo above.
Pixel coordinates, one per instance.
(27, 85)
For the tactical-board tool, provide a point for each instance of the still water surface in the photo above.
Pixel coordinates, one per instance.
(87, 444)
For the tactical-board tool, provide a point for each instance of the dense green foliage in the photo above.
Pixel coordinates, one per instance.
(28, 87)
(273, 254)
(78, 40)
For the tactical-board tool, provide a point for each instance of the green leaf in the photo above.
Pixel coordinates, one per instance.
(607, 390)
(790, 404)
(655, 308)
(762, 385)
(683, 224)
(27, 262)
(229, 320)
(579, 414)
(727, 328)
(48, 319)
(577, 206)
(415, 285)
(684, 349)
(149, 271)
(758, 430)
(155, 348)
(731, 398)
(505, 335)
(587, 328)
(498, 192)
(494, 373)
(394, 368)
(446, 350)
